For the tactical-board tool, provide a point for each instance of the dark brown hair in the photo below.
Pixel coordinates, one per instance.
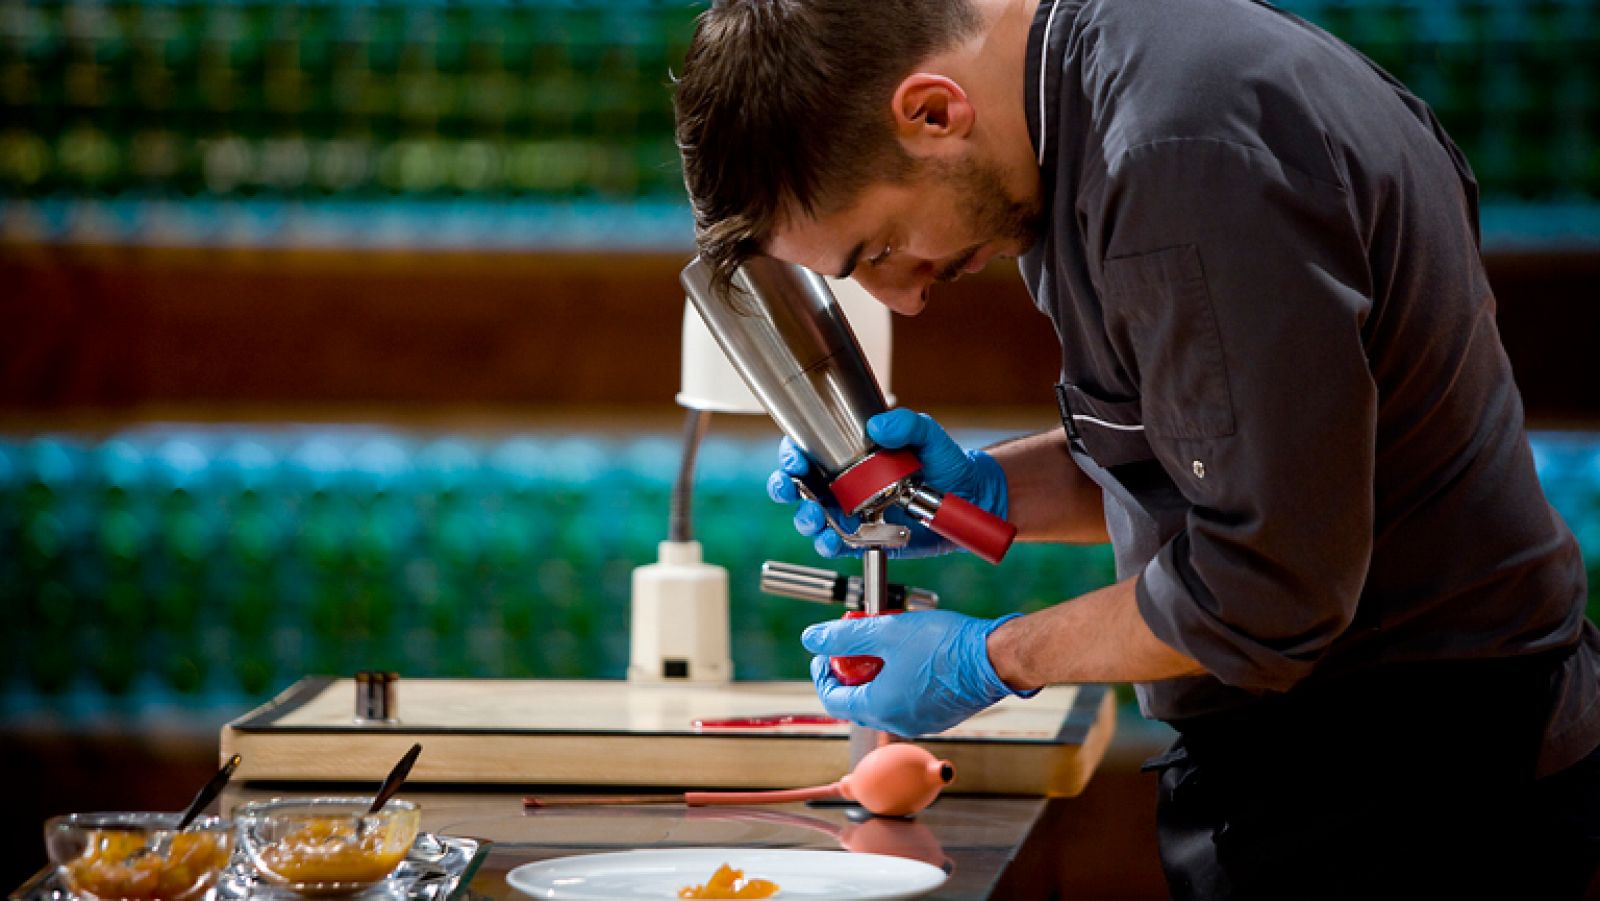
(783, 108)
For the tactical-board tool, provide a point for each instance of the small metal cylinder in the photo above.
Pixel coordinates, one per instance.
(824, 586)
(375, 697)
(803, 583)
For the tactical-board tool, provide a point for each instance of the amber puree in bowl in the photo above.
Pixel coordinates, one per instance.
(327, 849)
(116, 866)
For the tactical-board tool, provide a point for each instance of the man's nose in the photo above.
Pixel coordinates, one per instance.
(902, 292)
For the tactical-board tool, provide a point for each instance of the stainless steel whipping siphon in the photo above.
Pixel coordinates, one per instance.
(787, 337)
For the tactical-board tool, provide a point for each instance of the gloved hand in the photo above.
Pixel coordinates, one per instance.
(973, 475)
(936, 669)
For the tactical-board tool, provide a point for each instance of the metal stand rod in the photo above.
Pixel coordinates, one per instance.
(874, 600)
(874, 580)
(679, 515)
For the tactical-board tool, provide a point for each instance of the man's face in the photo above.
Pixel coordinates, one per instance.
(948, 219)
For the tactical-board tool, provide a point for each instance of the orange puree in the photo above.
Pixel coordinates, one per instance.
(115, 866)
(326, 849)
(727, 882)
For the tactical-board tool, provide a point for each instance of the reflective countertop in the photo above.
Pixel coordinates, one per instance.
(978, 841)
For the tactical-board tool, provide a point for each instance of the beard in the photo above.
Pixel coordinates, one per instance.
(991, 211)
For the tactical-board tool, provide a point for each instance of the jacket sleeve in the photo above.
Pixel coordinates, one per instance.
(1236, 290)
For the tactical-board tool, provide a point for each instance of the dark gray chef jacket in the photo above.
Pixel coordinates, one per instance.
(1280, 360)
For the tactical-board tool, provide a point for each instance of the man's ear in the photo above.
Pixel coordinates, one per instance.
(928, 109)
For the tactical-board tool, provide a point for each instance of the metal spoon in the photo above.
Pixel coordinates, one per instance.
(202, 800)
(391, 784)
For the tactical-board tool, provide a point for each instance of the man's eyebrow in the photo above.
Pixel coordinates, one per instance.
(851, 260)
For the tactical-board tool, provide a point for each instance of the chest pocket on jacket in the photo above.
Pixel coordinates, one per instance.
(1108, 431)
(1163, 307)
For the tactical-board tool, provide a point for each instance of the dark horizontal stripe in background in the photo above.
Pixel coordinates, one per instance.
(117, 330)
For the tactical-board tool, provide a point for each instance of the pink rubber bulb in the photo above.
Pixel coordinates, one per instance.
(897, 780)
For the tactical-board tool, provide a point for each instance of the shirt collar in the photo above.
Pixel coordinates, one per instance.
(1053, 22)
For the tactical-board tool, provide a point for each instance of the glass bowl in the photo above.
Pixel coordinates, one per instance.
(326, 846)
(129, 856)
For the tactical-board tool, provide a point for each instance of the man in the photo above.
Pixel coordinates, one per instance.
(1284, 401)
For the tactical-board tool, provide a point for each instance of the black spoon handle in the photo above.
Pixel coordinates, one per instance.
(208, 793)
(391, 783)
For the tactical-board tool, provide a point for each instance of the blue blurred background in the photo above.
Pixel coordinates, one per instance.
(166, 567)
(342, 334)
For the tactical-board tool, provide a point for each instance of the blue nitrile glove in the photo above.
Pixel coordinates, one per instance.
(936, 670)
(973, 475)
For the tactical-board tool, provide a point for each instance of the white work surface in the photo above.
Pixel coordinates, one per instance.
(570, 732)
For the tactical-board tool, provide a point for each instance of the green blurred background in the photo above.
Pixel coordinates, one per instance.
(342, 335)
(547, 123)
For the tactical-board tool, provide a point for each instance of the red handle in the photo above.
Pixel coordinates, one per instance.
(872, 474)
(973, 527)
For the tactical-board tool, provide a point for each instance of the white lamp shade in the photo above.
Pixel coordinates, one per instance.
(710, 382)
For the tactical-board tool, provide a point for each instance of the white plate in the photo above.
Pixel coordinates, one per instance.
(659, 873)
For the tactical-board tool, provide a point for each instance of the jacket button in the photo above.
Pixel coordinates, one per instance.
(1199, 469)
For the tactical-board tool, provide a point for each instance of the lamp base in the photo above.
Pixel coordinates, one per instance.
(679, 626)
